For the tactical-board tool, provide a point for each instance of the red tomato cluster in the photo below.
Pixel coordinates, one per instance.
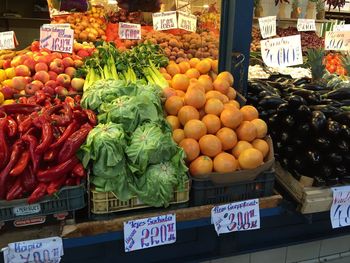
(334, 64)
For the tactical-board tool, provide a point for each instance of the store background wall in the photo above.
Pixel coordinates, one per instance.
(271, 10)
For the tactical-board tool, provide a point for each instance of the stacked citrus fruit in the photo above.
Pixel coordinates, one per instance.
(208, 123)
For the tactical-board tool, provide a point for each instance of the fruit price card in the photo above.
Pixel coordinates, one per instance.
(306, 25)
(8, 40)
(187, 21)
(340, 209)
(164, 20)
(339, 41)
(129, 31)
(57, 38)
(267, 26)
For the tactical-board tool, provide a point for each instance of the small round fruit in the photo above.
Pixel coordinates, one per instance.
(246, 131)
(214, 106)
(203, 66)
(231, 118)
(250, 159)
(227, 137)
(173, 69)
(225, 163)
(184, 66)
(201, 165)
(173, 105)
(195, 97)
(240, 147)
(180, 82)
(227, 76)
(221, 85)
(261, 128)
(206, 83)
(195, 129)
(262, 146)
(231, 94)
(191, 148)
(215, 94)
(178, 135)
(249, 113)
(173, 121)
(187, 113)
(194, 62)
(212, 122)
(210, 145)
(192, 73)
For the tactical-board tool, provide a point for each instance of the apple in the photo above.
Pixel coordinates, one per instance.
(40, 59)
(8, 92)
(30, 63)
(19, 83)
(53, 75)
(78, 63)
(68, 62)
(42, 76)
(48, 90)
(51, 83)
(17, 60)
(34, 86)
(70, 71)
(78, 84)
(61, 91)
(83, 53)
(63, 80)
(10, 73)
(23, 71)
(8, 82)
(57, 55)
(28, 79)
(57, 66)
(41, 67)
(7, 64)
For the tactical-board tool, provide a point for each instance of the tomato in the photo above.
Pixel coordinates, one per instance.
(332, 69)
(35, 46)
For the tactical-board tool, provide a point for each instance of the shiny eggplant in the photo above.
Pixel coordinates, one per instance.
(314, 87)
(343, 146)
(313, 157)
(335, 158)
(296, 101)
(304, 129)
(323, 143)
(318, 120)
(303, 112)
(312, 97)
(271, 102)
(343, 118)
(333, 128)
(341, 93)
(328, 110)
(289, 121)
(345, 132)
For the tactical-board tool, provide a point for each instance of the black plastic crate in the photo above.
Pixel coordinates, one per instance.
(205, 192)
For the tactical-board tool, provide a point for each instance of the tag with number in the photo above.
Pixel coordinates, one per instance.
(238, 216)
(57, 38)
(306, 25)
(149, 232)
(187, 21)
(164, 21)
(267, 26)
(344, 27)
(340, 209)
(8, 40)
(282, 52)
(129, 31)
(339, 41)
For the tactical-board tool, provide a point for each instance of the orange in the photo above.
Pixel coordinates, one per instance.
(225, 163)
(202, 165)
(203, 66)
(169, 92)
(227, 137)
(207, 84)
(246, 131)
(250, 159)
(225, 75)
(173, 121)
(178, 135)
(262, 146)
(215, 66)
(215, 94)
(173, 105)
(184, 66)
(166, 76)
(173, 69)
(212, 122)
(231, 118)
(261, 127)
(195, 129)
(180, 82)
(210, 145)
(191, 148)
(187, 113)
(249, 113)
(194, 62)
(192, 73)
(231, 94)
(240, 147)
(214, 106)
(180, 93)
(221, 85)
(195, 97)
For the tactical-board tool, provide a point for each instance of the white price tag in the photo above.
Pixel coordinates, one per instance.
(8, 40)
(282, 52)
(306, 25)
(164, 20)
(40, 250)
(344, 27)
(339, 41)
(340, 209)
(187, 21)
(238, 216)
(149, 232)
(129, 31)
(57, 37)
(267, 26)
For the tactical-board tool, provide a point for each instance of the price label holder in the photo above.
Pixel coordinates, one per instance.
(57, 37)
(340, 209)
(282, 52)
(129, 31)
(343, 27)
(339, 41)
(164, 20)
(40, 250)
(267, 26)
(238, 216)
(187, 21)
(306, 25)
(8, 40)
(149, 232)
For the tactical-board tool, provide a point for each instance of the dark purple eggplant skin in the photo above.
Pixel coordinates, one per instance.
(343, 118)
(341, 93)
(333, 128)
(318, 120)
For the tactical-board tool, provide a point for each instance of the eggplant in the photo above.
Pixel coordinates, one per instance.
(343, 118)
(312, 97)
(318, 120)
(333, 103)
(301, 81)
(314, 87)
(286, 163)
(289, 121)
(340, 171)
(264, 94)
(341, 93)
(289, 151)
(284, 137)
(325, 170)
(283, 109)
(328, 110)
(335, 158)
(322, 143)
(304, 112)
(333, 128)
(313, 157)
(332, 181)
(299, 142)
(345, 102)
(296, 101)
(319, 181)
(304, 129)
(343, 146)
(253, 99)
(271, 102)
(345, 132)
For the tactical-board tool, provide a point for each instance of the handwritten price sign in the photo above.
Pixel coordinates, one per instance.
(340, 210)
(149, 232)
(8, 40)
(129, 31)
(306, 25)
(267, 26)
(282, 52)
(164, 21)
(40, 250)
(57, 38)
(344, 27)
(239, 216)
(339, 41)
(187, 21)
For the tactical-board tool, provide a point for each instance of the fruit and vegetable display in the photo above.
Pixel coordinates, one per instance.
(39, 138)
(140, 5)
(123, 15)
(309, 122)
(334, 63)
(216, 133)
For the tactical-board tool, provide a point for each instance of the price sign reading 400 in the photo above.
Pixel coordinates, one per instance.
(339, 41)
(149, 232)
(165, 20)
(282, 52)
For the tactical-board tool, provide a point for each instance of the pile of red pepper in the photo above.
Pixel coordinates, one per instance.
(39, 138)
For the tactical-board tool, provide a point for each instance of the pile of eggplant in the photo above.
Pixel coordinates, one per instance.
(310, 127)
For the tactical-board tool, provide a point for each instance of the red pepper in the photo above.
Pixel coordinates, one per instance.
(79, 170)
(29, 180)
(19, 108)
(21, 164)
(68, 132)
(78, 181)
(47, 104)
(56, 172)
(16, 150)
(31, 100)
(77, 99)
(46, 137)
(16, 191)
(70, 102)
(11, 126)
(56, 185)
(25, 125)
(70, 181)
(80, 116)
(4, 148)
(91, 116)
(33, 143)
(50, 155)
(38, 193)
(73, 143)
(40, 97)
(22, 100)
(67, 117)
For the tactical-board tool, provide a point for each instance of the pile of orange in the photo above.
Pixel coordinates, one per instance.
(207, 121)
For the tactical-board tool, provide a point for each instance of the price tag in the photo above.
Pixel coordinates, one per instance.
(40, 250)
(57, 37)
(340, 209)
(306, 25)
(282, 52)
(238, 216)
(267, 26)
(339, 41)
(149, 232)
(187, 21)
(8, 40)
(164, 20)
(129, 31)
(344, 27)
